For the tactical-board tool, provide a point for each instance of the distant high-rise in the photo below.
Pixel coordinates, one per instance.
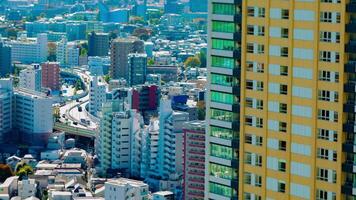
(120, 49)
(173, 6)
(50, 75)
(6, 108)
(98, 44)
(5, 60)
(137, 68)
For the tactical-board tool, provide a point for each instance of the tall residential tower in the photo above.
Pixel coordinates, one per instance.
(297, 109)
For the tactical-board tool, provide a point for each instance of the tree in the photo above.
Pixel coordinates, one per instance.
(150, 62)
(5, 172)
(23, 170)
(78, 85)
(202, 58)
(192, 62)
(142, 33)
(83, 52)
(107, 78)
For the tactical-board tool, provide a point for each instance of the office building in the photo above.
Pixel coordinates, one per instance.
(33, 114)
(29, 50)
(31, 78)
(6, 98)
(137, 68)
(120, 49)
(98, 44)
(125, 189)
(61, 52)
(222, 107)
(194, 160)
(50, 75)
(5, 60)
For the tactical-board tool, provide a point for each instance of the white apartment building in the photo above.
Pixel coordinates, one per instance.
(33, 112)
(127, 189)
(97, 94)
(6, 97)
(31, 78)
(67, 53)
(27, 188)
(30, 50)
(98, 64)
(149, 147)
(117, 131)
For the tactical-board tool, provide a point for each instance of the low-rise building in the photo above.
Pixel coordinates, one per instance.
(125, 189)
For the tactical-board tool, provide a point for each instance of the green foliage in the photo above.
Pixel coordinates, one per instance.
(202, 58)
(150, 62)
(78, 85)
(5, 172)
(23, 170)
(107, 78)
(192, 62)
(83, 52)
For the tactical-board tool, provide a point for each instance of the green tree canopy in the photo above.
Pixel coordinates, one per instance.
(192, 62)
(5, 172)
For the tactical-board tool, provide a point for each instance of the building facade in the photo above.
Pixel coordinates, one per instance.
(98, 44)
(29, 50)
(194, 160)
(125, 189)
(31, 78)
(222, 108)
(137, 66)
(50, 75)
(5, 60)
(120, 49)
(6, 107)
(33, 114)
(97, 95)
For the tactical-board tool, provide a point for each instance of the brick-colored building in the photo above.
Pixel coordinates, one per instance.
(50, 75)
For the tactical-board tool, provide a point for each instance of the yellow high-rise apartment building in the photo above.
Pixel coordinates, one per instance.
(289, 98)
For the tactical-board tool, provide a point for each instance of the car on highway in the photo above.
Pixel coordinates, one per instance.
(80, 109)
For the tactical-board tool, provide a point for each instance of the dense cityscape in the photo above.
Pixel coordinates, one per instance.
(177, 99)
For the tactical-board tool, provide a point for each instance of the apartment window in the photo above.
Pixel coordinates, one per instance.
(254, 103)
(327, 175)
(222, 97)
(254, 85)
(329, 56)
(222, 44)
(224, 9)
(255, 12)
(325, 195)
(252, 179)
(224, 80)
(330, 17)
(251, 196)
(326, 95)
(283, 89)
(325, 134)
(284, 32)
(222, 115)
(222, 26)
(254, 67)
(253, 159)
(328, 115)
(255, 30)
(254, 121)
(281, 186)
(282, 165)
(327, 154)
(329, 76)
(330, 1)
(284, 52)
(250, 48)
(221, 151)
(222, 171)
(222, 62)
(283, 108)
(283, 127)
(253, 139)
(282, 145)
(285, 14)
(332, 37)
(284, 69)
